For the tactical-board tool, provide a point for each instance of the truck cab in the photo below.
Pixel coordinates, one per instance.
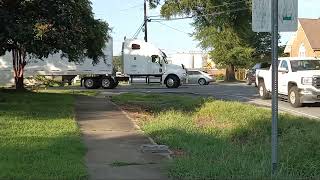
(143, 59)
(298, 78)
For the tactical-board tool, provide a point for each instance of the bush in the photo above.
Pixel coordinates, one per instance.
(48, 82)
(219, 77)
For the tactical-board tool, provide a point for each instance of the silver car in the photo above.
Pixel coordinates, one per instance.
(199, 77)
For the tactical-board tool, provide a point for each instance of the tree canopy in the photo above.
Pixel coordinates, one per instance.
(223, 27)
(43, 27)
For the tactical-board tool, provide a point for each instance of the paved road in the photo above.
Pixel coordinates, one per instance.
(226, 91)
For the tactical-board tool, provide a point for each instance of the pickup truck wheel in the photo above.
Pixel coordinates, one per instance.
(90, 83)
(172, 81)
(107, 83)
(248, 82)
(294, 97)
(263, 93)
(202, 82)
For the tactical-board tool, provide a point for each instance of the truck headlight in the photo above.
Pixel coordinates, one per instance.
(306, 80)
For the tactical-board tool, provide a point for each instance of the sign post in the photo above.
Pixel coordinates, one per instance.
(274, 16)
(274, 129)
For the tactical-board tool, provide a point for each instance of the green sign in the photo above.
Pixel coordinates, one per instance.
(287, 18)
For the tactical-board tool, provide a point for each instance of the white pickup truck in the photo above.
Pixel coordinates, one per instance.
(299, 80)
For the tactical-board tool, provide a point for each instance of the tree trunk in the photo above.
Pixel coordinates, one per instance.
(19, 62)
(230, 73)
(19, 83)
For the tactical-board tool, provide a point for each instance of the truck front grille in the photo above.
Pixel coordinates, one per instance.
(316, 82)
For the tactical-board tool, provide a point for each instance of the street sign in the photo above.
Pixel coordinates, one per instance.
(287, 16)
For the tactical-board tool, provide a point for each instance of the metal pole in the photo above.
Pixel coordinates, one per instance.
(145, 22)
(274, 133)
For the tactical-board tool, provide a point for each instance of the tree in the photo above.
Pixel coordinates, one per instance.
(38, 28)
(117, 63)
(223, 27)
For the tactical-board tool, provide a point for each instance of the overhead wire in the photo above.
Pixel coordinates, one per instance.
(204, 15)
(132, 7)
(136, 34)
(173, 28)
(189, 17)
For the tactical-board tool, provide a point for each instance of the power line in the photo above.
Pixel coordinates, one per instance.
(204, 15)
(132, 7)
(172, 27)
(188, 17)
(138, 31)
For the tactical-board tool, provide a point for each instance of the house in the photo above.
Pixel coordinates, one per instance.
(306, 41)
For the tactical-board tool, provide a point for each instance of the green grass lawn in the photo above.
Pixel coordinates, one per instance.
(39, 138)
(216, 139)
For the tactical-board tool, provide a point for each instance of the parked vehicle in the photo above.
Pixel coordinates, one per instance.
(299, 80)
(140, 59)
(251, 74)
(199, 77)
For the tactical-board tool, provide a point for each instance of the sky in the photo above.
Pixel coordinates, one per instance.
(126, 16)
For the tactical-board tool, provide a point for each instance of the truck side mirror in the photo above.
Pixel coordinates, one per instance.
(154, 58)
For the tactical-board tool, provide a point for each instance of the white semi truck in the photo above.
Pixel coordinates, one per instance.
(299, 80)
(140, 59)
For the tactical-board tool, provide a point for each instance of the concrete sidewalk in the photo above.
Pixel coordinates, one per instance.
(114, 143)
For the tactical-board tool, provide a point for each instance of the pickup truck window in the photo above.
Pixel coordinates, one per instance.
(305, 65)
(284, 65)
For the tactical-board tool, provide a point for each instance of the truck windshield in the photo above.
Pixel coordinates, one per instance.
(305, 65)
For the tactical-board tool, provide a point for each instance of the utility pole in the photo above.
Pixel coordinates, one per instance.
(145, 22)
(274, 134)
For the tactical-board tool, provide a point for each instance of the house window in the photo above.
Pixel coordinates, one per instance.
(302, 51)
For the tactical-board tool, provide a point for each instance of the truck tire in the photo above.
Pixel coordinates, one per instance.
(263, 93)
(107, 83)
(248, 81)
(90, 83)
(294, 97)
(172, 81)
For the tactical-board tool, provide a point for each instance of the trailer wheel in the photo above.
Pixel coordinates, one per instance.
(107, 83)
(172, 81)
(90, 83)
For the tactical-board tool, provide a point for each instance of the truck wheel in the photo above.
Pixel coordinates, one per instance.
(294, 97)
(107, 83)
(248, 82)
(172, 81)
(263, 93)
(90, 83)
(202, 82)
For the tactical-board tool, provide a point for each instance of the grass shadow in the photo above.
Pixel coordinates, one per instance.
(39, 138)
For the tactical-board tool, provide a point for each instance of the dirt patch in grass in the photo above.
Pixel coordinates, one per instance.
(210, 122)
(178, 153)
(139, 114)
